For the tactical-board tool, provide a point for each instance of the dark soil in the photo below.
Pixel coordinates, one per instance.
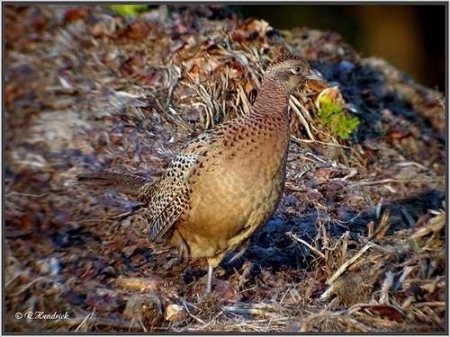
(86, 89)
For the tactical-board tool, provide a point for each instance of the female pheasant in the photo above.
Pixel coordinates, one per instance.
(226, 183)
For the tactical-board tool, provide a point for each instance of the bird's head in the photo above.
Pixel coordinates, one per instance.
(290, 71)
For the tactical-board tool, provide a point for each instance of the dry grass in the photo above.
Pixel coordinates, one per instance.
(357, 243)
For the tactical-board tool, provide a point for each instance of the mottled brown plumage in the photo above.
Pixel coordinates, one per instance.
(226, 183)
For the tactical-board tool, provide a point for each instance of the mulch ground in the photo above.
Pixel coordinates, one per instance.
(357, 243)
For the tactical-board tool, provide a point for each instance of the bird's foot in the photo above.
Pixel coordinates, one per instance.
(181, 259)
(172, 262)
(222, 288)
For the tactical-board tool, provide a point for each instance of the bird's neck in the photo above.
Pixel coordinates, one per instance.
(272, 100)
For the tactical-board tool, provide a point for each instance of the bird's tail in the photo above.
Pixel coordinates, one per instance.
(125, 183)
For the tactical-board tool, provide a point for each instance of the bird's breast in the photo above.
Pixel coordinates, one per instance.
(238, 187)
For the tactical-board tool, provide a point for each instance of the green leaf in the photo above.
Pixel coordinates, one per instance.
(336, 119)
(128, 10)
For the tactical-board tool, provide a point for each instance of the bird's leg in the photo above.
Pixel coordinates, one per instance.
(182, 252)
(213, 262)
(209, 281)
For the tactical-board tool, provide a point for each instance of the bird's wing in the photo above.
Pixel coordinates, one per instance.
(169, 198)
(125, 183)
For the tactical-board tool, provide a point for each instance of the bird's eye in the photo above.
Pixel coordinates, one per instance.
(296, 70)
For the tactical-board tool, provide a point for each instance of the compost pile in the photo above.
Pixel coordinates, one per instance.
(357, 243)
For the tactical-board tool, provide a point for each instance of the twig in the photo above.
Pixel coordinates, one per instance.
(380, 232)
(347, 264)
(406, 271)
(299, 141)
(387, 284)
(192, 315)
(28, 285)
(252, 309)
(412, 164)
(26, 194)
(84, 321)
(296, 238)
(300, 116)
(429, 304)
(408, 216)
(212, 320)
(385, 181)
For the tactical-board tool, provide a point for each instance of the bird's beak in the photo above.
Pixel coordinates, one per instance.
(317, 80)
(314, 75)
